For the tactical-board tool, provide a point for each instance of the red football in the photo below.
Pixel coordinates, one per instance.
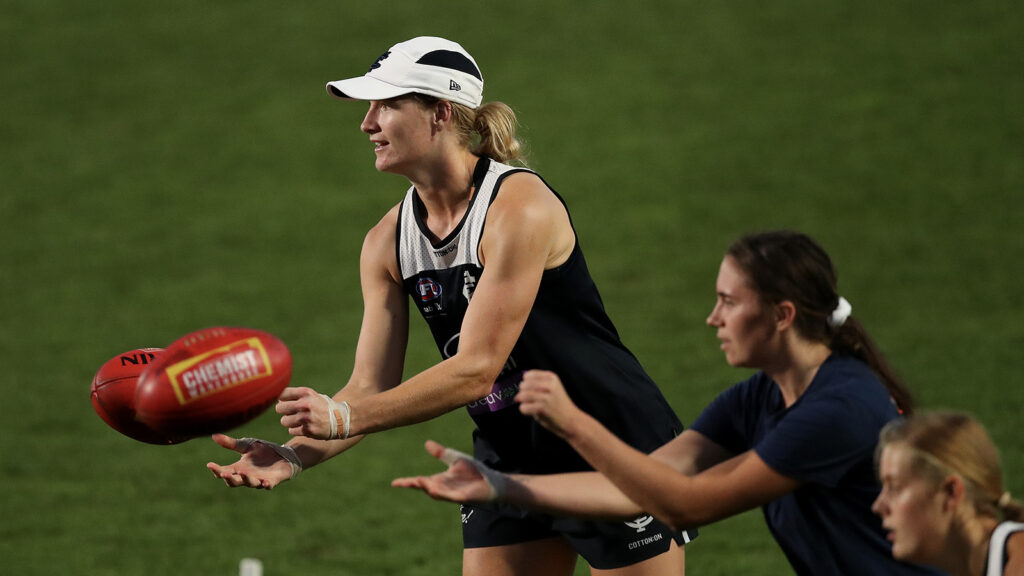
(212, 380)
(113, 395)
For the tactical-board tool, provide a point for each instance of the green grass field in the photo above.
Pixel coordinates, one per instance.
(167, 167)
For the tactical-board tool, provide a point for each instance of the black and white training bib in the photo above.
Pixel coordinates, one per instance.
(567, 332)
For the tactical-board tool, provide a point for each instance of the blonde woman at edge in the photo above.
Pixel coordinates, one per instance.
(943, 502)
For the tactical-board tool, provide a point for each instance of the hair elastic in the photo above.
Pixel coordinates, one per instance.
(1004, 500)
(840, 314)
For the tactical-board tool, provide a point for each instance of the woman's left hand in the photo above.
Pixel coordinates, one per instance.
(542, 395)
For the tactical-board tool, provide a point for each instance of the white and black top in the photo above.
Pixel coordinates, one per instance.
(997, 547)
(567, 332)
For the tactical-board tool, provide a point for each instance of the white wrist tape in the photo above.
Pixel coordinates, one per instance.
(341, 418)
(286, 452)
(496, 481)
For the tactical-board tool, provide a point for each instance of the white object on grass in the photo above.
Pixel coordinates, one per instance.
(250, 567)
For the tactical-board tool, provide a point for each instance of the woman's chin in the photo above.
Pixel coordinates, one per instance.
(901, 552)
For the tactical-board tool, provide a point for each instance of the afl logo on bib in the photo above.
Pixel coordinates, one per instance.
(428, 289)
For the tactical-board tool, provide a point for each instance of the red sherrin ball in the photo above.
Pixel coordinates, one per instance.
(113, 395)
(212, 380)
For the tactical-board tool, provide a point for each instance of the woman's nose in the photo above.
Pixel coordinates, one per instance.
(369, 123)
(712, 319)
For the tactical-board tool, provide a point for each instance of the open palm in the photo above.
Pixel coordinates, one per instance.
(259, 466)
(464, 481)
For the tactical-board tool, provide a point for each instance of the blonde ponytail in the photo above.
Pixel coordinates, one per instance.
(496, 124)
(489, 130)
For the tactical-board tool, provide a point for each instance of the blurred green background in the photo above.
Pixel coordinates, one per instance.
(171, 166)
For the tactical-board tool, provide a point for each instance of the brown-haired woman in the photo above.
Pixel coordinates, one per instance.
(943, 501)
(796, 439)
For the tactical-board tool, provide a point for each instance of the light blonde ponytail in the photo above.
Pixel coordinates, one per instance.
(489, 130)
(496, 125)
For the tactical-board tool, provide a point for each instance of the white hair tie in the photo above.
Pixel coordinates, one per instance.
(1004, 500)
(840, 314)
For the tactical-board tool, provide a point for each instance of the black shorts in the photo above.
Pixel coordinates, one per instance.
(604, 545)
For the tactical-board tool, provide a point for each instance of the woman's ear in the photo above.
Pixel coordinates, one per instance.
(785, 314)
(442, 111)
(953, 492)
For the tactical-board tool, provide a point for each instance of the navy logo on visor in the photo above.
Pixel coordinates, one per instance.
(377, 62)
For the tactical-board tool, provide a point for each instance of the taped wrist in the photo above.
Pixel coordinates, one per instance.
(341, 418)
(286, 452)
(496, 481)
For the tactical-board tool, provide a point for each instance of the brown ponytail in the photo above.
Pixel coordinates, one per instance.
(853, 339)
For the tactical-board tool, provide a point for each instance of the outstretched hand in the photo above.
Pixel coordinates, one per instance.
(260, 466)
(465, 481)
(542, 396)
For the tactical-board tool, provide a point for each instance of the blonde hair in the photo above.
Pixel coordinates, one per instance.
(944, 442)
(495, 124)
(489, 130)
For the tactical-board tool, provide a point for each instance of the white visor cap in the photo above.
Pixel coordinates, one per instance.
(425, 65)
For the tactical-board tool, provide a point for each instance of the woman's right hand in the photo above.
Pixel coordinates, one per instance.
(542, 396)
(306, 412)
(260, 466)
